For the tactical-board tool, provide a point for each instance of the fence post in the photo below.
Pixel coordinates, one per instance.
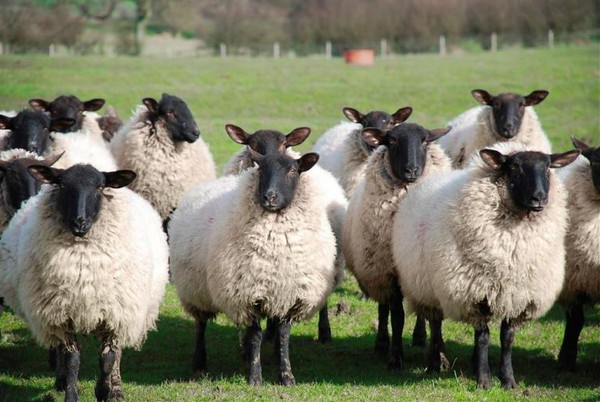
(223, 49)
(550, 39)
(442, 45)
(52, 50)
(328, 50)
(494, 44)
(276, 50)
(384, 48)
(1, 49)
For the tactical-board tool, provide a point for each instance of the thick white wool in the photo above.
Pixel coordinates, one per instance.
(459, 241)
(582, 276)
(166, 170)
(230, 255)
(111, 280)
(475, 129)
(367, 235)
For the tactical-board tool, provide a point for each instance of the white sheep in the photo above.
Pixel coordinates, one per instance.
(254, 246)
(85, 257)
(162, 143)
(342, 150)
(582, 273)
(505, 117)
(484, 242)
(272, 141)
(404, 155)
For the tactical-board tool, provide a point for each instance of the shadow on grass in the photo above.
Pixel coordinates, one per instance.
(557, 314)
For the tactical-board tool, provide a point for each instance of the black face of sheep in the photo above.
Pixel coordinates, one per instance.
(31, 129)
(278, 178)
(176, 115)
(378, 119)
(508, 108)
(527, 174)
(407, 146)
(20, 185)
(593, 155)
(67, 106)
(79, 191)
(268, 141)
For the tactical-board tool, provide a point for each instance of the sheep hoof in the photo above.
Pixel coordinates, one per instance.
(566, 362)
(444, 362)
(484, 383)
(255, 380)
(287, 379)
(509, 383)
(395, 364)
(60, 384)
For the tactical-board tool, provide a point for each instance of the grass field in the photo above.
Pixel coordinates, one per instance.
(283, 94)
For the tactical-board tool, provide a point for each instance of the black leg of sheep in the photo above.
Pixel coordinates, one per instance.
(199, 358)
(480, 357)
(419, 336)
(107, 363)
(568, 350)
(71, 358)
(324, 327)
(254, 341)
(507, 337)
(60, 383)
(437, 360)
(282, 344)
(397, 317)
(382, 342)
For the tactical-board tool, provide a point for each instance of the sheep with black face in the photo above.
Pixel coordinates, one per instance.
(71, 107)
(85, 256)
(162, 144)
(506, 117)
(404, 155)
(484, 243)
(254, 246)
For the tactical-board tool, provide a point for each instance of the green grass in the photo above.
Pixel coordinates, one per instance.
(283, 94)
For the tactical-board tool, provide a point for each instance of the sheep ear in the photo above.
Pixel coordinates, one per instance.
(93, 104)
(562, 160)
(5, 122)
(297, 136)
(492, 158)
(579, 144)
(119, 178)
(255, 156)
(482, 96)
(51, 160)
(352, 114)
(151, 104)
(61, 124)
(536, 97)
(39, 104)
(307, 161)
(437, 133)
(237, 134)
(372, 136)
(44, 174)
(402, 114)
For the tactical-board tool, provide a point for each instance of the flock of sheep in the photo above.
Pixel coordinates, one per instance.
(469, 222)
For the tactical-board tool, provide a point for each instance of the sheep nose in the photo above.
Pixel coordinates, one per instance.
(80, 226)
(271, 197)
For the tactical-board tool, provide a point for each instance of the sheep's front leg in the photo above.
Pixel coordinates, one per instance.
(437, 350)
(107, 389)
(324, 327)
(568, 350)
(71, 360)
(283, 350)
(254, 340)
(382, 342)
(507, 337)
(397, 316)
(419, 336)
(481, 365)
(60, 383)
(199, 358)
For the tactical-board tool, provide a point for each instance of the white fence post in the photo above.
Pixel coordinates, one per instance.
(223, 49)
(550, 39)
(494, 44)
(384, 48)
(1, 49)
(276, 50)
(442, 45)
(52, 49)
(328, 50)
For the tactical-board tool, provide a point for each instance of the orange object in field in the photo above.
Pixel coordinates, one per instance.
(363, 57)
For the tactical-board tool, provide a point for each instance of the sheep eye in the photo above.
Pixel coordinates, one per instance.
(293, 170)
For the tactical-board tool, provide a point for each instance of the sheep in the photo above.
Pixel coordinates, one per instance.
(162, 143)
(272, 142)
(582, 273)
(481, 243)
(344, 153)
(254, 246)
(85, 257)
(403, 155)
(110, 123)
(505, 117)
(30, 130)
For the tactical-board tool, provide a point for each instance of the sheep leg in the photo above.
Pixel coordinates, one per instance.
(70, 352)
(382, 342)
(116, 384)
(199, 358)
(324, 327)
(106, 362)
(283, 349)
(437, 350)
(52, 358)
(254, 338)
(507, 338)
(419, 336)
(397, 318)
(568, 350)
(60, 383)
(271, 330)
(482, 368)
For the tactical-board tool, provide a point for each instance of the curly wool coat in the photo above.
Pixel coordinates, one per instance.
(462, 247)
(110, 281)
(165, 169)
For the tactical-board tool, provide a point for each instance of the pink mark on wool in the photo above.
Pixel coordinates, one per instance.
(421, 232)
(210, 220)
